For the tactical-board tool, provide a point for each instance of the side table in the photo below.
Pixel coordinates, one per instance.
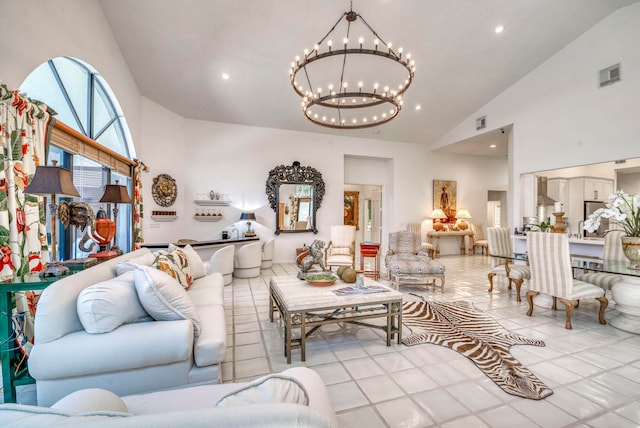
(370, 249)
(7, 347)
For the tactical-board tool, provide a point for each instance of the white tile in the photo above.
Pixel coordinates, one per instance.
(631, 411)
(611, 420)
(544, 413)
(440, 405)
(363, 417)
(346, 396)
(473, 396)
(393, 362)
(506, 417)
(573, 403)
(401, 413)
(380, 388)
(413, 380)
(362, 367)
(471, 421)
(332, 373)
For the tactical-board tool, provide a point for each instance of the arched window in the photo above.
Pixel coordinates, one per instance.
(84, 101)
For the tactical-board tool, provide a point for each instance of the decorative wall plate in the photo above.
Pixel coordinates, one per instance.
(164, 190)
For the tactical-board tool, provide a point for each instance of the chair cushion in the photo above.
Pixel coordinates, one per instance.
(340, 251)
(163, 297)
(340, 260)
(91, 400)
(601, 279)
(582, 290)
(519, 272)
(107, 305)
(411, 264)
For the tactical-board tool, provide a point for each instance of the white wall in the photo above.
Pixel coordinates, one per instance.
(560, 117)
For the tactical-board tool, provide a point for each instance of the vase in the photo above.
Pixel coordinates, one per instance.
(631, 248)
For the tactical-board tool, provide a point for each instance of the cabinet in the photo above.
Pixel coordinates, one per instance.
(558, 189)
(597, 189)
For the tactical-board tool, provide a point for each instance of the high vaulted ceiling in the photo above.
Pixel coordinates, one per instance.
(178, 50)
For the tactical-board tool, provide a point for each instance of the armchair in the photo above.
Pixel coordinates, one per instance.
(427, 247)
(267, 253)
(551, 274)
(406, 261)
(341, 250)
(248, 260)
(499, 242)
(479, 240)
(222, 261)
(613, 252)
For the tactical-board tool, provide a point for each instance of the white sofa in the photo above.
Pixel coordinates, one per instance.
(134, 357)
(296, 397)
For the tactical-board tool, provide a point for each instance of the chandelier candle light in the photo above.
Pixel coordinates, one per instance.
(353, 68)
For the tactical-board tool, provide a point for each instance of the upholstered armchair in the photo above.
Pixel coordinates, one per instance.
(499, 242)
(551, 274)
(222, 261)
(341, 250)
(406, 261)
(267, 253)
(612, 252)
(426, 246)
(248, 260)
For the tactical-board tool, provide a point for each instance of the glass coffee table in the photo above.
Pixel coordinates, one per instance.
(306, 308)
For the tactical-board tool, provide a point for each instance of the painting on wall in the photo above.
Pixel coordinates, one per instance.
(444, 197)
(351, 214)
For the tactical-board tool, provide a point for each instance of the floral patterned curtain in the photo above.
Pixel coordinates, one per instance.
(138, 214)
(23, 132)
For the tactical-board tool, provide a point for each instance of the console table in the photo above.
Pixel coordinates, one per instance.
(8, 350)
(459, 234)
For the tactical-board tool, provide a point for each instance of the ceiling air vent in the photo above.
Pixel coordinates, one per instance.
(481, 122)
(609, 75)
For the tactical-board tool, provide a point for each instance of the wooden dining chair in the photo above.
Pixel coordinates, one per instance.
(499, 242)
(550, 263)
(612, 252)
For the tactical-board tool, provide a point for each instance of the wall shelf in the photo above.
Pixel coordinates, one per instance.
(212, 202)
(208, 218)
(164, 217)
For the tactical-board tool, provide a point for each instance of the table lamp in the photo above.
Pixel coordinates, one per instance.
(248, 217)
(462, 215)
(115, 194)
(51, 181)
(438, 215)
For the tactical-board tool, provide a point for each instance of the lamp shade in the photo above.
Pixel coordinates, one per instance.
(462, 213)
(52, 180)
(116, 193)
(438, 213)
(247, 216)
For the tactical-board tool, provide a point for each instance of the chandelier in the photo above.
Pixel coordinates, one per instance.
(357, 84)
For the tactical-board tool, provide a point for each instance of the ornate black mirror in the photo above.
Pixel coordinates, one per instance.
(295, 193)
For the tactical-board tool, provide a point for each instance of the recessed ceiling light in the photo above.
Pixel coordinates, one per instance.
(493, 146)
(418, 107)
(225, 76)
(499, 29)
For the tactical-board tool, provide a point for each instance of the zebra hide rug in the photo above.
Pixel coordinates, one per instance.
(470, 332)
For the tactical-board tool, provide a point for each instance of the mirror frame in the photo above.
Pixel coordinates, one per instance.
(295, 174)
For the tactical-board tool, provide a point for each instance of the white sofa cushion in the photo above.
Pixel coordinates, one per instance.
(197, 266)
(273, 388)
(163, 297)
(146, 259)
(91, 400)
(210, 346)
(107, 305)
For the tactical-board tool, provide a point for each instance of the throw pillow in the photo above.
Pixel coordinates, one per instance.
(175, 264)
(273, 388)
(130, 264)
(198, 268)
(163, 297)
(107, 305)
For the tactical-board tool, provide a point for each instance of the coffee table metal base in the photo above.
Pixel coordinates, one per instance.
(341, 309)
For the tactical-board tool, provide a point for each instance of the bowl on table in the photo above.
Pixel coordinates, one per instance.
(321, 280)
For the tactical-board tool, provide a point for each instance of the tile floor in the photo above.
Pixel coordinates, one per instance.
(594, 370)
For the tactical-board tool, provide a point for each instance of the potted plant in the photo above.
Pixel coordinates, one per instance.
(624, 211)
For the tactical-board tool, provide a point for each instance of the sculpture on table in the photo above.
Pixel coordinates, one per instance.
(316, 256)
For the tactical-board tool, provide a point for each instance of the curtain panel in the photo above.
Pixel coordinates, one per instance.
(23, 129)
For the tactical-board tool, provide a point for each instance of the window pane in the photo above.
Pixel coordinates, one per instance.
(102, 110)
(75, 79)
(41, 85)
(113, 139)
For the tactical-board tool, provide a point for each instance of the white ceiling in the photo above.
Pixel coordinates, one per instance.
(177, 52)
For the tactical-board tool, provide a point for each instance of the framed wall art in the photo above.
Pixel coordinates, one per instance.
(351, 208)
(444, 197)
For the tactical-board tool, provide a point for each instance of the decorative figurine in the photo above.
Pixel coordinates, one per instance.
(316, 256)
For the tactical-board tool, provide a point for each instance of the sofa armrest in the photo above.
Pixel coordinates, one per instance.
(127, 347)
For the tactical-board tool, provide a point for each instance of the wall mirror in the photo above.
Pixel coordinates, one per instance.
(295, 193)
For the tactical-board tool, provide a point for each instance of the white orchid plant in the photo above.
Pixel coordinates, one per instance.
(621, 209)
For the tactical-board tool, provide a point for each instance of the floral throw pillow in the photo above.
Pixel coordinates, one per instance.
(175, 265)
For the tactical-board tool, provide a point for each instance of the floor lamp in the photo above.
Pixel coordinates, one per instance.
(51, 181)
(115, 194)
